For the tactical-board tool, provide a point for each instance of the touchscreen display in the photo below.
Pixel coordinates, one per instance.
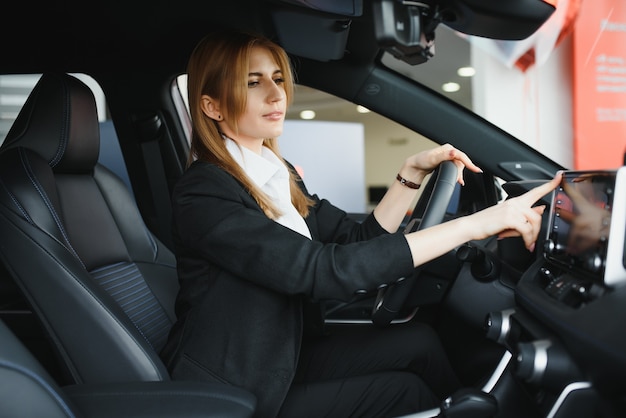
(581, 216)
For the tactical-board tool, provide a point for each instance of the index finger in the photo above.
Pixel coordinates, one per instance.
(459, 155)
(533, 195)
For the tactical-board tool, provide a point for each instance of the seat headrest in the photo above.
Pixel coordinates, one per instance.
(59, 121)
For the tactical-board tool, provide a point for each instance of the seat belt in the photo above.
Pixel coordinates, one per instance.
(152, 131)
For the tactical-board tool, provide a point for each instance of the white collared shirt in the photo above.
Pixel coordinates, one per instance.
(269, 173)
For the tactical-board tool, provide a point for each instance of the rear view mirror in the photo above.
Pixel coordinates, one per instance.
(405, 30)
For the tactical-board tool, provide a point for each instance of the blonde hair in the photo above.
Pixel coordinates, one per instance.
(218, 67)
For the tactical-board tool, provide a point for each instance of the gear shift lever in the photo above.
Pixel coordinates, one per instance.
(469, 403)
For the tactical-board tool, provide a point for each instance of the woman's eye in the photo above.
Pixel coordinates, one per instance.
(253, 83)
(279, 80)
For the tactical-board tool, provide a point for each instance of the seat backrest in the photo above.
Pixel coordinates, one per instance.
(73, 239)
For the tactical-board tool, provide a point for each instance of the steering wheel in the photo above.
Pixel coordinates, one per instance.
(391, 298)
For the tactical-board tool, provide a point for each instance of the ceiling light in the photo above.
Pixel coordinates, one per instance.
(362, 109)
(466, 71)
(450, 87)
(307, 114)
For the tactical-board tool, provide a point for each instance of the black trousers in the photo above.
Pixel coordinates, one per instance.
(371, 372)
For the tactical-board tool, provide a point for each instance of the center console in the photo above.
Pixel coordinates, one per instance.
(565, 348)
(565, 335)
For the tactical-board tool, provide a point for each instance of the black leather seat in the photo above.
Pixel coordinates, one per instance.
(27, 391)
(74, 241)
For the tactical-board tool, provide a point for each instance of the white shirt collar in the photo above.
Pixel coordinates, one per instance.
(272, 176)
(260, 168)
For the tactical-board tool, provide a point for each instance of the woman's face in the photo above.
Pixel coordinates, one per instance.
(266, 101)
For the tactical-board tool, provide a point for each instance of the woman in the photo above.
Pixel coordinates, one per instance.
(254, 247)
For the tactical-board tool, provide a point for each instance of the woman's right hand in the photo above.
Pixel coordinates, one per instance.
(516, 216)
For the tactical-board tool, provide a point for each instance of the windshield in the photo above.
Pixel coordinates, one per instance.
(562, 91)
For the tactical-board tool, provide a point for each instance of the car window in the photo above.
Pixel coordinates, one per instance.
(14, 90)
(359, 146)
(354, 139)
(329, 138)
(560, 90)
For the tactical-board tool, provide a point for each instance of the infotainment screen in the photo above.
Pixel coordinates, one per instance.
(587, 225)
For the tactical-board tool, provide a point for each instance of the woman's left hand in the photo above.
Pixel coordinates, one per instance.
(419, 165)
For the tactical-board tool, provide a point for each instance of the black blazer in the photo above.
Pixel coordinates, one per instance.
(244, 277)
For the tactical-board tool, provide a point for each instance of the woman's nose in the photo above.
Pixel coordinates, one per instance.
(276, 93)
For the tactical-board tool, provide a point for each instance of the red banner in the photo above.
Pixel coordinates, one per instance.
(599, 84)
(550, 34)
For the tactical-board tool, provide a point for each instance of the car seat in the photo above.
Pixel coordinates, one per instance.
(72, 237)
(27, 390)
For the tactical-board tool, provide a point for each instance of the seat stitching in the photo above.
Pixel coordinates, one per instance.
(97, 300)
(64, 134)
(26, 164)
(16, 202)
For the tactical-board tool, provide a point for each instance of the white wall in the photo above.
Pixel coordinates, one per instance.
(331, 156)
(524, 103)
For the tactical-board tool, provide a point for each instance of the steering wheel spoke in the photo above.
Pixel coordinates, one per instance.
(391, 299)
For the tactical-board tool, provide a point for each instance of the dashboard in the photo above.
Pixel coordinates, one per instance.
(565, 332)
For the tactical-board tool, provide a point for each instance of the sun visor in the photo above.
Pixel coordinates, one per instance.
(314, 36)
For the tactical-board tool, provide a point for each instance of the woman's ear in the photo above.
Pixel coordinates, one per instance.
(210, 108)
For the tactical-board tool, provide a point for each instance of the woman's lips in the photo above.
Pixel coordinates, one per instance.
(274, 115)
